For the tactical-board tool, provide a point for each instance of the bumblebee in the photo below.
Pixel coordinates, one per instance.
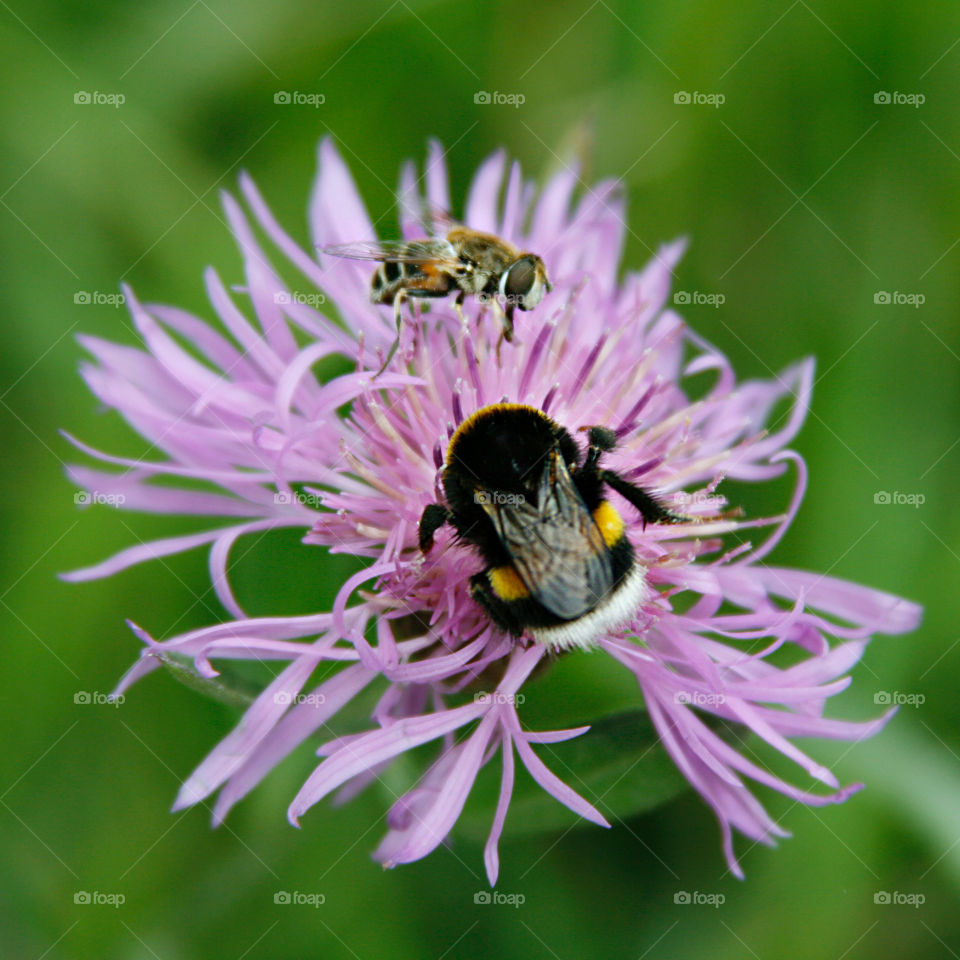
(465, 260)
(558, 563)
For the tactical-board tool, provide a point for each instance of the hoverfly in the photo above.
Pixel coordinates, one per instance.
(465, 260)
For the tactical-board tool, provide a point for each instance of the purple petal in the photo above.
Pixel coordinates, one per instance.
(553, 784)
(376, 747)
(438, 819)
(144, 551)
(483, 201)
(491, 855)
(303, 720)
(129, 492)
(236, 748)
(882, 612)
(435, 173)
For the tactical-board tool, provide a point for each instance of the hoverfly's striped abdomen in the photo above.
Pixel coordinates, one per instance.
(415, 279)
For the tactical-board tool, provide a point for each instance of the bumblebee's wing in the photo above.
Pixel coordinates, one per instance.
(556, 547)
(396, 251)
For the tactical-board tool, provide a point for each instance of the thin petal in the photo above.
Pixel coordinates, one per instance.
(374, 748)
(554, 785)
(491, 856)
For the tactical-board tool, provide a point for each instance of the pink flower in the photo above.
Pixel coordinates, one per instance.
(244, 412)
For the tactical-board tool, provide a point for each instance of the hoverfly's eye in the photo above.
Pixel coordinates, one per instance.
(519, 281)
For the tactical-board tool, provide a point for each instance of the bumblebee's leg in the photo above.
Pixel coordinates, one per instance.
(431, 520)
(458, 304)
(589, 479)
(494, 607)
(601, 439)
(650, 508)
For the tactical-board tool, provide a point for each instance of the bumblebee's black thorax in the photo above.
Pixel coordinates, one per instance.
(500, 448)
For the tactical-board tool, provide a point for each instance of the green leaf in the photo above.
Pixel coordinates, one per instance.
(619, 765)
(232, 690)
(925, 801)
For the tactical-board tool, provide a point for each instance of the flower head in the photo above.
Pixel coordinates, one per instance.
(244, 411)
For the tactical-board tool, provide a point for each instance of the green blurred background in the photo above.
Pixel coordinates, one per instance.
(803, 198)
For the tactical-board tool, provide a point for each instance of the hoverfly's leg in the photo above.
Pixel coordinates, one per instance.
(650, 508)
(506, 318)
(398, 302)
(434, 516)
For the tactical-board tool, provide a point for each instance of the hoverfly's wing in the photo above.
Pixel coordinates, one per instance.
(556, 547)
(397, 251)
(441, 221)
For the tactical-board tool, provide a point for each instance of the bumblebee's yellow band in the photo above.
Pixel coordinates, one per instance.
(506, 584)
(610, 523)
